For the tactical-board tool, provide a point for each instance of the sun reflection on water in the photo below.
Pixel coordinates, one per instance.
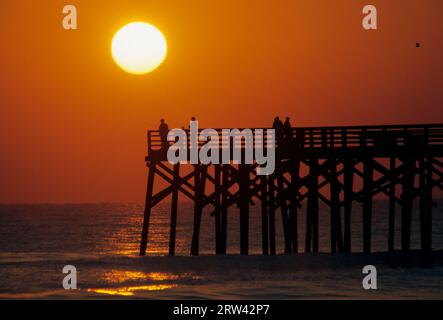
(119, 276)
(144, 281)
(129, 291)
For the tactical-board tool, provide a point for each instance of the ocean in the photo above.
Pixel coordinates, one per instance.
(102, 242)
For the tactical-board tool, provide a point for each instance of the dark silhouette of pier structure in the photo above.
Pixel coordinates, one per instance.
(338, 166)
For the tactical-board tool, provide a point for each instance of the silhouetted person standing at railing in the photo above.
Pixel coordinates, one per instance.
(164, 130)
(193, 119)
(288, 131)
(279, 131)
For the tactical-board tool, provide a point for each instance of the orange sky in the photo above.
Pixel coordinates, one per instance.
(72, 124)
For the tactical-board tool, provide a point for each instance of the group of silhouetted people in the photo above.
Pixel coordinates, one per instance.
(283, 131)
(164, 130)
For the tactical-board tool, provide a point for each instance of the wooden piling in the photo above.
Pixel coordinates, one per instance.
(264, 215)
(148, 207)
(284, 214)
(427, 246)
(174, 206)
(199, 181)
(348, 180)
(368, 172)
(312, 208)
(217, 212)
(407, 200)
(336, 230)
(392, 199)
(244, 209)
(224, 209)
(422, 200)
(315, 211)
(426, 203)
(293, 209)
(271, 215)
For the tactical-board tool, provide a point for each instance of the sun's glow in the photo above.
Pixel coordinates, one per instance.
(139, 48)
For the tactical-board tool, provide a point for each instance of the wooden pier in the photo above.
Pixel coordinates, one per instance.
(338, 166)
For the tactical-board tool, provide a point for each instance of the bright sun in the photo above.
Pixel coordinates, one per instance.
(139, 48)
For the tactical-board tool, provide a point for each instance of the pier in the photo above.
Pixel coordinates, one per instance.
(339, 166)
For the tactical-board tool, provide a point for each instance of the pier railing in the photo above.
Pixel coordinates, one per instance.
(324, 138)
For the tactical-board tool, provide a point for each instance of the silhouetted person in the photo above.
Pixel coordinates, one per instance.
(288, 130)
(193, 119)
(164, 130)
(279, 130)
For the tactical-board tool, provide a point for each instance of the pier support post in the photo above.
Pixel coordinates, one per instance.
(264, 215)
(368, 176)
(271, 181)
(312, 208)
(244, 209)
(224, 209)
(348, 180)
(426, 203)
(284, 212)
(407, 200)
(392, 193)
(148, 208)
(336, 231)
(199, 181)
(217, 215)
(174, 206)
(293, 209)
(429, 204)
